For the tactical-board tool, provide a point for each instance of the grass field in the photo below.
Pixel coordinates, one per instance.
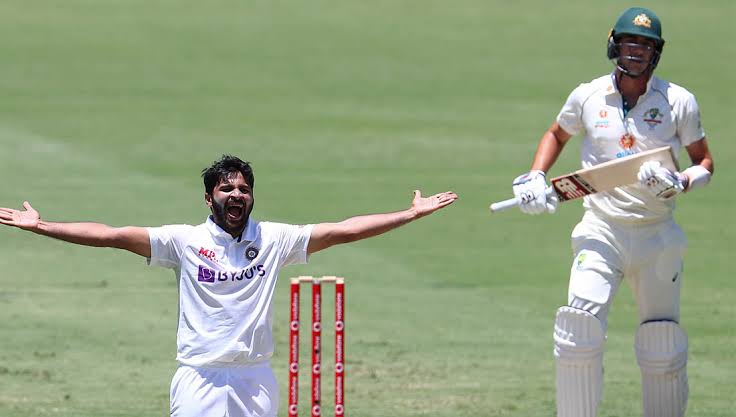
(110, 109)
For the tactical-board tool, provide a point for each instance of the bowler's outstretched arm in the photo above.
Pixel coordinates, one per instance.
(130, 238)
(356, 228)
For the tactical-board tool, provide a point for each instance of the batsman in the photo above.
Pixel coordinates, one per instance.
(629, 232)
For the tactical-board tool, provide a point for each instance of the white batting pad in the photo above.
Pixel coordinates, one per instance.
(579, 339)
(661, 350)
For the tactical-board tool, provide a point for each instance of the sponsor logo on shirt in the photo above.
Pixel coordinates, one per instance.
(602, 123)
(210, 275)
(627, 142)
(653, 117)
(208, 254)
(579, 261)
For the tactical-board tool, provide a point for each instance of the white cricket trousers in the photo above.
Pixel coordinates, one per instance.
(250, 391)
(648, 257)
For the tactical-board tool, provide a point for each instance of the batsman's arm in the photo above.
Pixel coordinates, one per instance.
(702, 169)
(357, 228)
(130, 238)
(549, 148)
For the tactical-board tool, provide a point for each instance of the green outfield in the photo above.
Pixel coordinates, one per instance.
(110, 110)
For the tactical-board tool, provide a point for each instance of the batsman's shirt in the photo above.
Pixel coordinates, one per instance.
(226, 286)
(665, 115)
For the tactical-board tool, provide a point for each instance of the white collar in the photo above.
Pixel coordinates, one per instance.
(248, 235)
(614, 84)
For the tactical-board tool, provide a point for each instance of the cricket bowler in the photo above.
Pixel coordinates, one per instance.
(629, 232)
(226, 269)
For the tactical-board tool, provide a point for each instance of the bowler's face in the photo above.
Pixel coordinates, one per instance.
(231, 203)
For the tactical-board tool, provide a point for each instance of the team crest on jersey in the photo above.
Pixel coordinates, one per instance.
(642, 20)
(251, 253)
(653, 117)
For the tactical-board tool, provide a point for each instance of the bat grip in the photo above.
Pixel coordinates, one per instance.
(504, 205)
(512, 202)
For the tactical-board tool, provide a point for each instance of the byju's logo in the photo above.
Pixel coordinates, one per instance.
(210, 275)
(205, 275)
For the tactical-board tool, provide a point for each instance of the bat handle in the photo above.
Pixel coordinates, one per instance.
(512, 202)
(504, 205)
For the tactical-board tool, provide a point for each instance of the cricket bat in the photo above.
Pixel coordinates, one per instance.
(602, 177)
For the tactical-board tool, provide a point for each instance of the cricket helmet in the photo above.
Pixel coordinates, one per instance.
(636, 21)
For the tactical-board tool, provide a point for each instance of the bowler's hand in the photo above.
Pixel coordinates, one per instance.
(428, 205)
(27, 220)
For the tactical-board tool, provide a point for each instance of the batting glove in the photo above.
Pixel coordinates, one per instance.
(660, 181)
(530, 190)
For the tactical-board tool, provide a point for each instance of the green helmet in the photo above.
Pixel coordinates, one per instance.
(636, 21)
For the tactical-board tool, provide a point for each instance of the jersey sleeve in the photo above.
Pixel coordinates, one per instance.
(167, 244)
(689, 129)
(570, 117)
(293, 243)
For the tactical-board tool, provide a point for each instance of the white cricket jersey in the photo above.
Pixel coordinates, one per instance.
(226, 286)
(666, 114)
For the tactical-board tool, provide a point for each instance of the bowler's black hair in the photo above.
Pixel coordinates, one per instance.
(224, 166)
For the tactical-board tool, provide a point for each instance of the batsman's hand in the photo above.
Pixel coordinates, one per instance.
(27, 220)
(530, 190)
(423, 206)
(660, 181)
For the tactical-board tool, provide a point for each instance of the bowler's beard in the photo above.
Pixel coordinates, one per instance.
(221, 219)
